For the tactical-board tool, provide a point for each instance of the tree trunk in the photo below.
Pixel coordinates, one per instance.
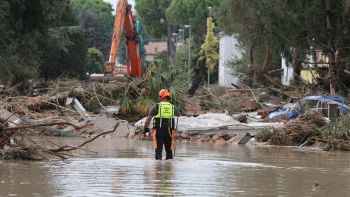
(267, 62)
(332, 73)
(251, 66)
(251, 54)
(332, 70)
(296, 65)
(170, 42)
(199, 74)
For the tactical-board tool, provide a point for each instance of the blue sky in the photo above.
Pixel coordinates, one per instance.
(114, 2)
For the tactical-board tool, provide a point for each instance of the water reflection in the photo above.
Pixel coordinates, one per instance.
(163, 178)
(127, 168)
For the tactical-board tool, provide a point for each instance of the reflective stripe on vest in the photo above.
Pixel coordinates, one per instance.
(165, 110)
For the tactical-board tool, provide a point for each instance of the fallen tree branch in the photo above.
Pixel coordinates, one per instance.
(239, 90)
(279, 91)
(275, 71)
(257, 100)
(274, 83)
(44, 124)
(210, 93)
(43, 100)
(68, 148)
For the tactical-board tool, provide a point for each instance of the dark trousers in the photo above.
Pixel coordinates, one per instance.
(163, 137)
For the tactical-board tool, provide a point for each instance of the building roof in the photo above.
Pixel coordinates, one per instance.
(153, 48)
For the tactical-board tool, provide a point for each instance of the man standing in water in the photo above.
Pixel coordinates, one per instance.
(163, 125)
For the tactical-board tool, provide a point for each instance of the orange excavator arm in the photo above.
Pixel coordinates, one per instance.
(124, 24)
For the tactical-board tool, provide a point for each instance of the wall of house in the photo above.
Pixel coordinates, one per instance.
(308, 74)
(228, 51)
(287, 72)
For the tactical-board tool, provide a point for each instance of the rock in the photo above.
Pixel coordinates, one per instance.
(220, 141)
(195, 137)
(205, 138)
(185, 135)
(232, 140)
(249, 105)
(194, 110)
(215, 137)
(226, 137)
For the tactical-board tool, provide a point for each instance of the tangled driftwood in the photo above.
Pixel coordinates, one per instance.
(294, 132)
(16, 143)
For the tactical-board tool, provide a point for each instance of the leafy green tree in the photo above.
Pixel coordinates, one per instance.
(294, 29)
(267, 30)
(24, 35)
(65, 49)
(240, 18)
(155, 22)
(97, 20)
(329, 22)
(194, 13)
(67, 60)
(95, 63)
(152, 13)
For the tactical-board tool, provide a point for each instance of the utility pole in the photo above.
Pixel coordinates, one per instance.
(189, 51)
(210, 9)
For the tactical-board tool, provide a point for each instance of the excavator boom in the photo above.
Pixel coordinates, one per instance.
(124, 25)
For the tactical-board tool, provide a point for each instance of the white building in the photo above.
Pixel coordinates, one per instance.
(228, 52)
(287, 73)
(308, 72)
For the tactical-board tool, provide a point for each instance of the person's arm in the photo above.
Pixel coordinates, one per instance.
(152, 113)
(148, 120)
(177, 111)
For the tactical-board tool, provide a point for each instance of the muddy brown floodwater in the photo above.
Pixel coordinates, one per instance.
(126, 168)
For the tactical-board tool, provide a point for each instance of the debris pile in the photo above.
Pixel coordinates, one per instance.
(336, 135)
(57, 111)
(217, 115)
(294, 132)
(21, 139)
(218, 99)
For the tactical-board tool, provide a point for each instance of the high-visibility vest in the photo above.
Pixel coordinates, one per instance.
(165, 116)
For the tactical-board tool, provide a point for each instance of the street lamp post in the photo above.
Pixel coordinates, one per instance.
(182, 33)
(189, 50)
(175, 35)
(210, 9)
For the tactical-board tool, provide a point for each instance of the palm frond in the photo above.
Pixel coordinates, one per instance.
(145, 104)
(125, 104)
